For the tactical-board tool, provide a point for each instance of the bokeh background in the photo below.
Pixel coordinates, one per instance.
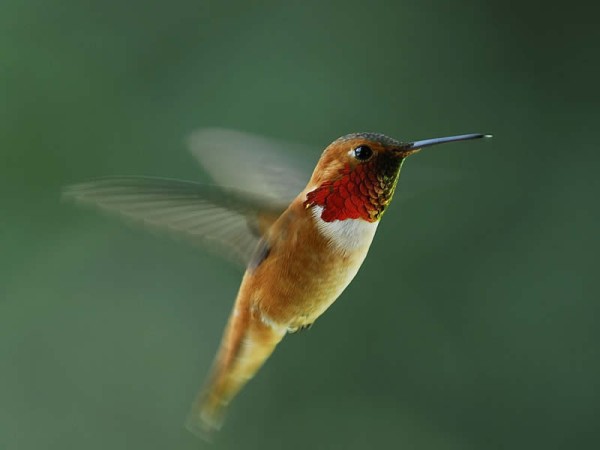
(473, 323)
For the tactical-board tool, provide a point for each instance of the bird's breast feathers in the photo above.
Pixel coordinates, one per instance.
(345, 236)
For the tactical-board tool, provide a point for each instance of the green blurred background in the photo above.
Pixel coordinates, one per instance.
(473, 323)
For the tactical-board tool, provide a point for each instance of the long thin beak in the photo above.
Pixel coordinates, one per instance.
(413, 147)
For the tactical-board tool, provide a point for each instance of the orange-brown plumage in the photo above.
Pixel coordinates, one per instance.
(300, 271)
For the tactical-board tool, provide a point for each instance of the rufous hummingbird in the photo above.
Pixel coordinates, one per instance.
(300, 251)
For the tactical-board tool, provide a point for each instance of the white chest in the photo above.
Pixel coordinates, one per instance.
(346, 235)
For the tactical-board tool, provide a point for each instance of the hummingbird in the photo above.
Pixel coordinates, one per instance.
(301, 243)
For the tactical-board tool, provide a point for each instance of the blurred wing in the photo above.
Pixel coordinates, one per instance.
(229, 221)
(252, 163)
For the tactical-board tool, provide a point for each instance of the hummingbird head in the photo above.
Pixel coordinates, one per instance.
(357, 174)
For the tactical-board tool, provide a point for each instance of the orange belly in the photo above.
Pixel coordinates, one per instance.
(303, 274)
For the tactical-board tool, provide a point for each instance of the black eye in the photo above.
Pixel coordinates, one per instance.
(363, 152)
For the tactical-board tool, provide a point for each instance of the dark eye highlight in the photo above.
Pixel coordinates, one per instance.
(362, 152)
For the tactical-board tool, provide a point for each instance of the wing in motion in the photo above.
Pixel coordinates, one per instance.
(227, 220)
(255, 185)
(252, 163)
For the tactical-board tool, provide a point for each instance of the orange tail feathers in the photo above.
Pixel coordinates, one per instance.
(246, 345)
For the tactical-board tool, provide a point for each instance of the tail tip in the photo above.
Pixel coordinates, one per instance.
(204, 422)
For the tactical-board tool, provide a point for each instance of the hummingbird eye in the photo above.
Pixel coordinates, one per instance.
(362, 152)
